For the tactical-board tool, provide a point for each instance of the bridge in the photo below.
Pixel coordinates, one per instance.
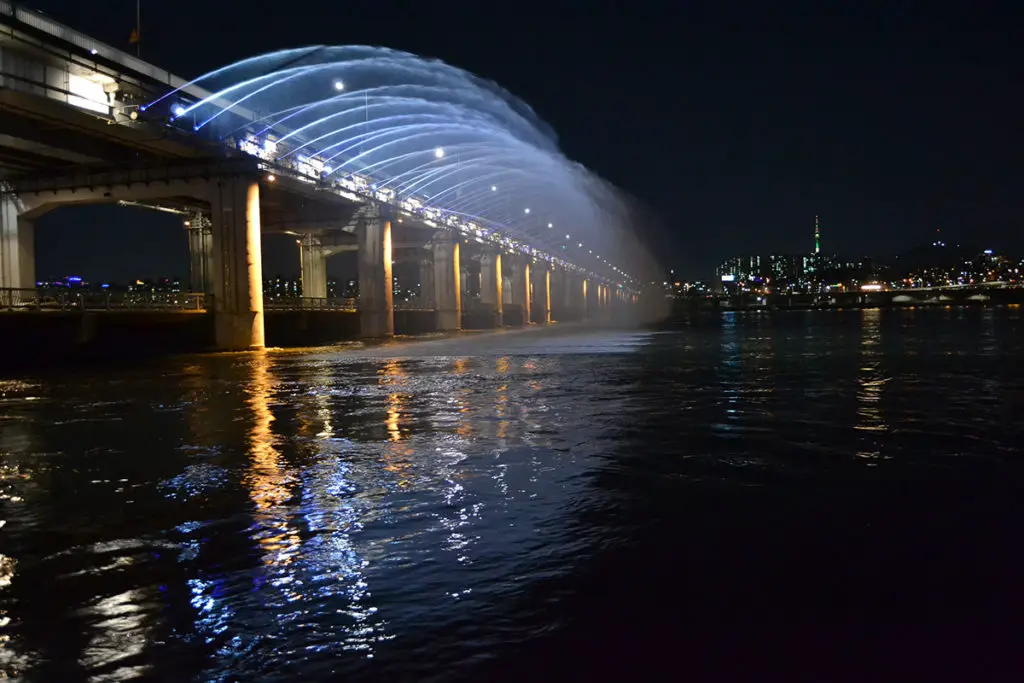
(356, 149)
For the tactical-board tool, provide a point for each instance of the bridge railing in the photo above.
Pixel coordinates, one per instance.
(414, 304)
(308, 303)
(64, 299)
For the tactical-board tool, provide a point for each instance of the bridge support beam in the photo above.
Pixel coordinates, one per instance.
(313, 262)
(200, 254)
(541, 293)
(238, 265)
(448, 282)
(17, 244)
(376, 298)
(521, 285)
(491, 284)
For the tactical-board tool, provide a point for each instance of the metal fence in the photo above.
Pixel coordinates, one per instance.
(64, 299)
(307, 303)
(414, 304)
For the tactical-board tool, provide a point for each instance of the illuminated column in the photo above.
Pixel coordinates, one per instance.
(521, 285)
(586, 304)
(200, 253)
(313, 260)
(17, 245)
(570, 300)
(238, 265)
(491, 283)
(448, 282)
(376, 307)
(541, 293)
(427, 281)
(556, 295)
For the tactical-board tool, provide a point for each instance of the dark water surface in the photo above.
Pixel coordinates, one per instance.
(830, 495)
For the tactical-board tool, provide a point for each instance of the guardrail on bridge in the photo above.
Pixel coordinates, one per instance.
(63, 299)
(308, 303)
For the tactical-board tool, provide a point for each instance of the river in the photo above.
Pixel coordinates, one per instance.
(821, 493)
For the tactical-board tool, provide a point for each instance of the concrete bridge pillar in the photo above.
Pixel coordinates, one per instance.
(200, 253)
(521, 285)
(313, 261)
(541, 293)
(376, 298)
(585, 292)
(448, 282)
(427, 281)
(17, 244)
(556, 294)
(238, 265)
(491, 283)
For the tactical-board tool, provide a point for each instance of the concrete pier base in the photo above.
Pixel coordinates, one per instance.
(238, 265)
(313, 262)
(376, 299)
(541, 307)
(200, 253)
(521, 286)
(17, 245)
(491, 284)
(447, 282)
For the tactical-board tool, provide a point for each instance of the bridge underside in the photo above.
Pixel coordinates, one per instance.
(231, 202)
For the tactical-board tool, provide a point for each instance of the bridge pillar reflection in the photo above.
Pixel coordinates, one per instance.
(17, 244)
(238, 265)
(448, 282)
(313, 262)
(376, 298)
(541, 293)
(491, 284)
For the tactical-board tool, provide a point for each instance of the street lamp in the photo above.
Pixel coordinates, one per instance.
(550, 225)
(526, 210)
(494, 188)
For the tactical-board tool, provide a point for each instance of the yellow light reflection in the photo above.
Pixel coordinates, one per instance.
(870, 383)
(267, 478)
(501, 402)
(392, 374)
(398, 455)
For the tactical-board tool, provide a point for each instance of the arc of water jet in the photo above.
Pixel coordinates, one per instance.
(215, 72)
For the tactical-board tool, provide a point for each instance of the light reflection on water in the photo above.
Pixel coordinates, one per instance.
(297, 516)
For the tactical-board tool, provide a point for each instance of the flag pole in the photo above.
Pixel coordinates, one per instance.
(138, 29)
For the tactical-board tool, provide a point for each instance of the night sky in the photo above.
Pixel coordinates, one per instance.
(736, 122)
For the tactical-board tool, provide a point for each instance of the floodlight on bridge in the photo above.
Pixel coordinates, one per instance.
(178, 111)
(439, 152)
(339, 85)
